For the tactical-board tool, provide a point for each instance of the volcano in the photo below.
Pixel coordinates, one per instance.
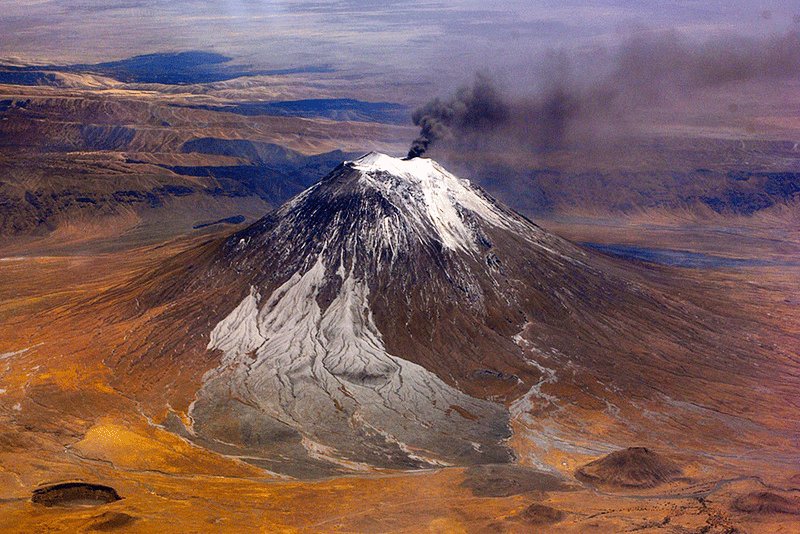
(394, 316)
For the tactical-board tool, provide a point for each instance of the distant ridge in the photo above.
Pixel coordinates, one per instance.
(170, 68)
(340, 109)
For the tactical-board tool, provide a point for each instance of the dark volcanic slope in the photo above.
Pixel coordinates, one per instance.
(394, 315)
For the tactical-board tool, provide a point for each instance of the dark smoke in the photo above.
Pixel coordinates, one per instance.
(648, 72)
(471, 109)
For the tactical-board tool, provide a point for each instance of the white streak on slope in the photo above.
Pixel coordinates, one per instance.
(328, 374)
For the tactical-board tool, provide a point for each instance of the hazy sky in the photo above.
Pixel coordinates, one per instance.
(407, 38)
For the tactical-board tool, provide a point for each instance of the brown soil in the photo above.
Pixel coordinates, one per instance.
(74, 494)
(635, 467)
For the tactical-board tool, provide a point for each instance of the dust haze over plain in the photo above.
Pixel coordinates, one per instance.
(601, 93)
(431, 41)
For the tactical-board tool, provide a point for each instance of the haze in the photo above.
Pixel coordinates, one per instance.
(437, 42)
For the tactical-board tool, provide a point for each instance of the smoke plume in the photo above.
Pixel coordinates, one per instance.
(583, 97)
(471, 109)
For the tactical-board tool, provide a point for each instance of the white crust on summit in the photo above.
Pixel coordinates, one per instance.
(432, 197)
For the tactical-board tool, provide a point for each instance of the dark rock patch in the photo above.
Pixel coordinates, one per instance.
(539, 514)
(235, 219)
(635, 467)
(504, 480)
(491, 374)
(74, 494)
(109, 521)
(766, 502)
